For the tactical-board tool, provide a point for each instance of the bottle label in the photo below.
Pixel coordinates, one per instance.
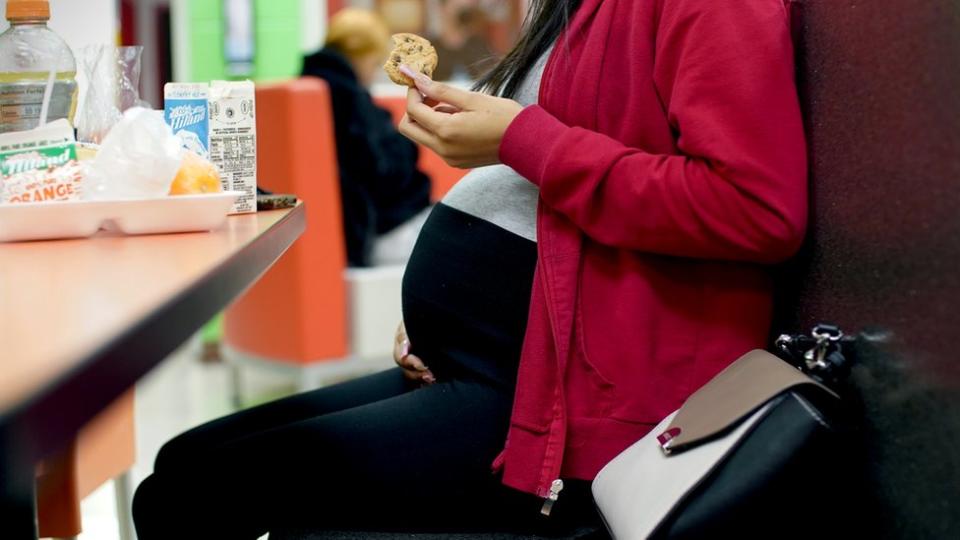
(21, 103)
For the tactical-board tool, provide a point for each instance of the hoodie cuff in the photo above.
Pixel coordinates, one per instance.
(528, 142)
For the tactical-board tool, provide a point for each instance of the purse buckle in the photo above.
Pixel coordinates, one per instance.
(818, 355)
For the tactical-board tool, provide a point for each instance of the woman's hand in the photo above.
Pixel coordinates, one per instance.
(413, 367)
(465, 128)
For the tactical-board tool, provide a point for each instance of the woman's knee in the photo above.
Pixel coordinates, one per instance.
(145, 504)
(176, 454)
(144, 492)
(166, 506)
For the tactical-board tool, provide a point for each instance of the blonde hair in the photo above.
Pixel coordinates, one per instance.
(357, 33)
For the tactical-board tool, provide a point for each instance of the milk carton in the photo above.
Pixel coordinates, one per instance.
(185, 108)
(233, 140)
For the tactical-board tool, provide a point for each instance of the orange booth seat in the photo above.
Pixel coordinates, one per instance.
(310, 312)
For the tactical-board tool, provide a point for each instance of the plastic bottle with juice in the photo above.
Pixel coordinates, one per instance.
(33, 57)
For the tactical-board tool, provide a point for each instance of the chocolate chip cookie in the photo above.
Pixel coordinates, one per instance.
(414, 52)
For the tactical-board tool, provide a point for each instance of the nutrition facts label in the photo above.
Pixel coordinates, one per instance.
(21, 103)
(233, 140)
(234, 152)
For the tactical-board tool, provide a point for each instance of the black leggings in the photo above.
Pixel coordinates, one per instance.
(375, 453)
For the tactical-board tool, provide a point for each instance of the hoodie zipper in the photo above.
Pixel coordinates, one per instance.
(551, 499)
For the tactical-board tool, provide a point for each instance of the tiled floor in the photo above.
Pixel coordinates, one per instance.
(180, 393)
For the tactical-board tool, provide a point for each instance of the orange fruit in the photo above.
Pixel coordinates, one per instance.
(196, 175)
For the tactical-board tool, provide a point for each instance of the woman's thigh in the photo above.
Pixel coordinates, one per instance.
(206, 439)
(419, 461)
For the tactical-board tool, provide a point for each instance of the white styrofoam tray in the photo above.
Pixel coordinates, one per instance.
(80, 219)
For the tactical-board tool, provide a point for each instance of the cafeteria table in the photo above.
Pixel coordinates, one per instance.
(82, 320)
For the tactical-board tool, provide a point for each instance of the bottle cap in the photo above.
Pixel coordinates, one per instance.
(28, 10)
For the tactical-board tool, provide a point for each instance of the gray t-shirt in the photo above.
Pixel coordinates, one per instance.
(497, 193)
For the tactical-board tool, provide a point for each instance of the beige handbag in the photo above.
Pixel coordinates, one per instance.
(734, 438)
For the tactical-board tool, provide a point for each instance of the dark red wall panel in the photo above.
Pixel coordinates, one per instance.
(880, 86)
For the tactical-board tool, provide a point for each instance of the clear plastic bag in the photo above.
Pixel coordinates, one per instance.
(138, 159)
(112, 85)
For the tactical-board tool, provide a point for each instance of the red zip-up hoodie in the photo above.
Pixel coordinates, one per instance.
(669, 151)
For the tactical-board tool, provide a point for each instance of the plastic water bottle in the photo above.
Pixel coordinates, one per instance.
(37, 69)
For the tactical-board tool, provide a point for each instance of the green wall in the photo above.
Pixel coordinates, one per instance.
(277, 40)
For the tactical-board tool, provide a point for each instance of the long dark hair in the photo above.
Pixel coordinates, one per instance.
(544, 22)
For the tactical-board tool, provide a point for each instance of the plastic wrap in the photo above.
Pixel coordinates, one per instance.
(112, 76)
(138, 159)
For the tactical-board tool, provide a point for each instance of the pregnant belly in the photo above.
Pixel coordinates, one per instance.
(466, 293)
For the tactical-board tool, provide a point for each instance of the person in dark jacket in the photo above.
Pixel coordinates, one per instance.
(385, 197)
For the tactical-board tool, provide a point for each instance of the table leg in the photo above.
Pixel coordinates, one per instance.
(123, 489)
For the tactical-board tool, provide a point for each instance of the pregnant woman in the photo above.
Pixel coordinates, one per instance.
(640, 165)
